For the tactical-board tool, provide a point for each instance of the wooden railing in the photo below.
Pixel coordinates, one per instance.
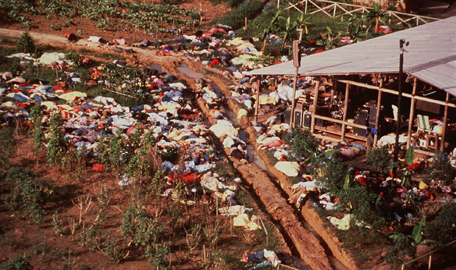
(337, 9)
(427, 254)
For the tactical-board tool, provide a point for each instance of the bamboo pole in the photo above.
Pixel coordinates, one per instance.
(344, 117)
(314, 109)
(412, 113)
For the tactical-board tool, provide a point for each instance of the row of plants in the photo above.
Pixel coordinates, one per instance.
(106, 13)
(373, 206)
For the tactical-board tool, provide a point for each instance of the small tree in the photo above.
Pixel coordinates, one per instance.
(379, 161)
(25, 44)
(439, 170)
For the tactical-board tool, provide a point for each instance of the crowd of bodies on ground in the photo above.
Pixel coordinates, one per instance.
(176, 123)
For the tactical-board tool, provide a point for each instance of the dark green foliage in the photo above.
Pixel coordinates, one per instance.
(229, 3)
(235, 19)
(8, 145)
(302, 142)
(17, 263)
(379, 161)
(403, 247)
(443, 229)
(57, 145)
(439, 170)
(334, 175)
(141, 227)
(362, 205)
(25, 44)
(106, 243)
(160, 259)
(27, 193)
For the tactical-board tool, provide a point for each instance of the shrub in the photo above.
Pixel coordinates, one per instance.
(235, 19)
(27, 193)
(17, 263)
(302, 142)
(439, 170)
(25, 44)
(443, 228)
(379, 160)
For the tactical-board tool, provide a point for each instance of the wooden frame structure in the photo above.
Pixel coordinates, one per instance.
(333, 7)
(413, 96)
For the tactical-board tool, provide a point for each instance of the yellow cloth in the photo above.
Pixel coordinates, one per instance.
(423, 185)
(66, 107)
(266, 100)
(72, 95)
(49, 105)
(290, 168)
(243, 220)
(241, 113)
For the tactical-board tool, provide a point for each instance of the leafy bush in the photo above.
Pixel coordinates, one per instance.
(439, 170)
(302, 142)
(443, 228)
(403, 247)
(379, 160)
(17, 263)
(27, 193)
(25, 44)
(8, 144)
(235, 19)
(57, 145)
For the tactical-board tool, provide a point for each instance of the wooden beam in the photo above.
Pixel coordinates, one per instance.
(257, 102)
(394, 92)
(412, 113)
(344, 117)
(379, 107)
(445, 116)
(337, 121)
(314, 109)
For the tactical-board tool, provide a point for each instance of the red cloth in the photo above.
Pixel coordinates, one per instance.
(56, 87)
(98, 167)
(188, 178)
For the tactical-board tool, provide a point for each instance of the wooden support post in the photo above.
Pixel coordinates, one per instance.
(257, 102)
(377, 116)
(265, 231)
(344, 117)
(245, 23)
(430, 258)
(445, 116)
(412, 114)
(314, 109)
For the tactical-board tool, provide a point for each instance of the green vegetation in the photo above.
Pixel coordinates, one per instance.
(26, 44)
(17, 263)
(110, 15)
(27, 194)
(235, 19)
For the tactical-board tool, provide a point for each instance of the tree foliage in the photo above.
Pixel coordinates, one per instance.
(25, 44)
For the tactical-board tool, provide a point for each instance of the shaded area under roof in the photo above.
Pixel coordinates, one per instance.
(430, 56)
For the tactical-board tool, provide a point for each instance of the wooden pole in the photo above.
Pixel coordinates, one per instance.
(377, 116)
(245, 23)
(257, 102)
(430, 258)
(265, 231)
(412, 114)
(314, 109)
(445, 116)
(344, 117)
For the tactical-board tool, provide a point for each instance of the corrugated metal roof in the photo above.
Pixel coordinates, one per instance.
(430, 56)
